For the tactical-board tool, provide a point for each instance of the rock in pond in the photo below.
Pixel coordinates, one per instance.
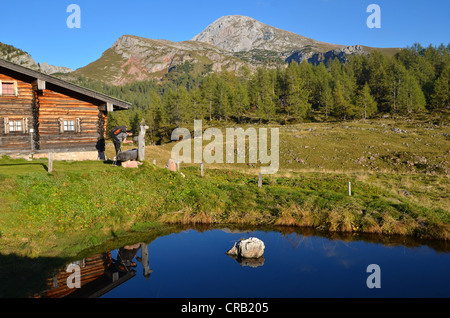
(249, 248)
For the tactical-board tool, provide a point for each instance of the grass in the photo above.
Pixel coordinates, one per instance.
(84, 204)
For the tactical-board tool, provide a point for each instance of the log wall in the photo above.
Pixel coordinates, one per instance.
(16, 108)
(54, 107)
(45, 111)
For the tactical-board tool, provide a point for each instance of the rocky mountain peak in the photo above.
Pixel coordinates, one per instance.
(236, 33)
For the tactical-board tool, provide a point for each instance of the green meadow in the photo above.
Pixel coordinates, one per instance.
(398, 172)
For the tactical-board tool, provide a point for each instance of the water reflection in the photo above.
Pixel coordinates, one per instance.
(298, 263)
(97, 274)
(250, 262)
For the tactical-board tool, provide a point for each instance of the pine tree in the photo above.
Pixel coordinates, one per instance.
(242, 101)
(265, 94)
(397, 79)
(376, 75)
(341, 107)
(151, 113)
(415, 99)
(222, 99)
(297, 103)
(441, 93)
(322, 94)
(208, 88)
(365, 103)
(198, 102)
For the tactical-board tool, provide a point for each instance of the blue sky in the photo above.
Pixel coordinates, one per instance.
(39, 27)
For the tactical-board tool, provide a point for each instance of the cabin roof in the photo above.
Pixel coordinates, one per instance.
(117, 103)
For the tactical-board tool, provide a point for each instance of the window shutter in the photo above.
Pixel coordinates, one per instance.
(25, 125)
(16, 91)
(1, 88)
(6, 125)
(78, 125)
(61, 125)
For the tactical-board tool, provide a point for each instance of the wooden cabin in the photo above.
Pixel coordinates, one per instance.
(40, 114)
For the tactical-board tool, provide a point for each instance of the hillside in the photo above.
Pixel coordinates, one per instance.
(133, 58)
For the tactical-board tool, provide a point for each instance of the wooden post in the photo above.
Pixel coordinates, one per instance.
(141, 141)
(144, 260)
(178, 166)
(31, 139)
(50, 162)
(349, 188)
(260, 180)
(154, 162)
(201, 169)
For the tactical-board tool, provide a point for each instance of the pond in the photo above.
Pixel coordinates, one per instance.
(193, 263)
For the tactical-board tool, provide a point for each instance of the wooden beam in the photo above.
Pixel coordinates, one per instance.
(109, 107)
(40, 84)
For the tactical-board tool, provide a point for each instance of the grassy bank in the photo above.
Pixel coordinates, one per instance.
(83, 204)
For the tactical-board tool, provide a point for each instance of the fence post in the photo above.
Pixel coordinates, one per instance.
(260, 180)
(141, 141)
(349, 188)
(50, 162)
(154, 162)
(178, 166)
(201, 169)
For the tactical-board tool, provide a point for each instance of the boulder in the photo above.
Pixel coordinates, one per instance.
(249, 248)
(131, 164)
(171, 165)
(405, 193)
(398, 130)
(127, 155)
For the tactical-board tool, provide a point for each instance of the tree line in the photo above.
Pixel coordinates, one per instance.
(414, 79)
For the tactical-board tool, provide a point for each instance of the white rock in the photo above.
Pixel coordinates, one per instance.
(249, 248)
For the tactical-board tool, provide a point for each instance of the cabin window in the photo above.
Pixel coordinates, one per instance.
(69, 125)
(15, 125)
(8, 88)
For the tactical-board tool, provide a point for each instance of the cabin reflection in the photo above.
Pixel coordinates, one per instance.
(98, 274)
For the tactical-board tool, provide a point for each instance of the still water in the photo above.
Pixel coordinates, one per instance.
(193, 263)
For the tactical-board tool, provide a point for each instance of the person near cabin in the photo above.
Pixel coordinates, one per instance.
(119, 135)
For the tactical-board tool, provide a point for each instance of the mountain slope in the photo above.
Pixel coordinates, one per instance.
(17, 56)
(133, 58)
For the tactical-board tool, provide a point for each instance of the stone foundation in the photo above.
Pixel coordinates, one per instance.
(68, 156)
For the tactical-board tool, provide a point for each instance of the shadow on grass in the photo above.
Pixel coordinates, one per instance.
(25, 164)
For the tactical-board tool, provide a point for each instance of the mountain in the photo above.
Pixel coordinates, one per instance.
(237, 33)
(17, 56)
(226, 44)
(52, 69)
(254, 41)
(134, 58)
